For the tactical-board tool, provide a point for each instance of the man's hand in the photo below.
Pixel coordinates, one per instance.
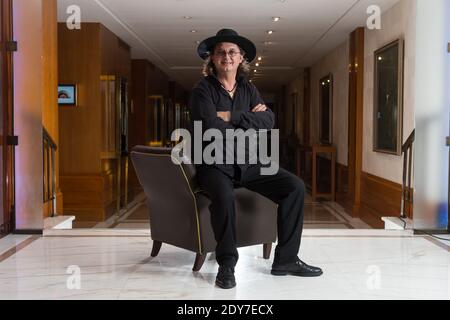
(260, 108)
(225, 116)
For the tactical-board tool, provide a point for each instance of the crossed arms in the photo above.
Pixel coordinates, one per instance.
(203, 109)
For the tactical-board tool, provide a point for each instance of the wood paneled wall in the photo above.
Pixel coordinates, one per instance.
(379, 198)
(88, 181)
(50, 67)
(35, 83)
(50, 108)
(115, 60)
(114, 54)
(355, 119)
(80, 63)
(342, 187)
(148, 80)
(139, 94)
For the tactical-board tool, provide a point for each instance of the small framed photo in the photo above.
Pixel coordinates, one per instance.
(67, 95)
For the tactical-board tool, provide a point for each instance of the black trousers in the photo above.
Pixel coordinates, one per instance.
(284, 188)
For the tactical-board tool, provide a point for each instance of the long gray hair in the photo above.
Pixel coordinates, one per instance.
(209, 69)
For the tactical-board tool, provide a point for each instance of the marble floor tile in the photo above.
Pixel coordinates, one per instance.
(357, 265)
(10, 241)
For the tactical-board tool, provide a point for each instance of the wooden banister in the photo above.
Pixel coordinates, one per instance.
(407, 193)
(49, 170)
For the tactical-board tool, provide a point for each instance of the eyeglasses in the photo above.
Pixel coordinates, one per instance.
(231, 53)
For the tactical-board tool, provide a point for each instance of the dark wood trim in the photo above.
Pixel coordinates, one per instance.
(29, 231)
(316, 152)
(379, 198)
(408, 192)
(342, 194)
(431, 232)
(17, 248)
(6, 96)
(355, 118)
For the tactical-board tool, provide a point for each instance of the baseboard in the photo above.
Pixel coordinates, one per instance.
(424, 232)
(29, 231)
(379, 198)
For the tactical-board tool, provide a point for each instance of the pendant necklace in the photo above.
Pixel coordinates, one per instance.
(229, 91)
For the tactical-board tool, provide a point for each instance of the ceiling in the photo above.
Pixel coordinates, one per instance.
(157, 30)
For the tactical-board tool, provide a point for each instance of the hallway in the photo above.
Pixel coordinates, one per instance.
(131, 69)
(97, 97)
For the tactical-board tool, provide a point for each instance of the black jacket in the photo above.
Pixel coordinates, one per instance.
(209, 97)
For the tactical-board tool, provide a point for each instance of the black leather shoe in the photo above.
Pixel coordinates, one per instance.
(297, 268)
(225, 278)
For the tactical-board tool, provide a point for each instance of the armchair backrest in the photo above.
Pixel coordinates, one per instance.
(170, 191)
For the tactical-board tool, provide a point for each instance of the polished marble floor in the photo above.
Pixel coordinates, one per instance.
(318, 215)
(357, 264)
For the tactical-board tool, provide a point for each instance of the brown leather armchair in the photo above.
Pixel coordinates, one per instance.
(179, 210)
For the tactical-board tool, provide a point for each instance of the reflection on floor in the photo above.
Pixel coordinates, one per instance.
(357, 264)
(318, 215)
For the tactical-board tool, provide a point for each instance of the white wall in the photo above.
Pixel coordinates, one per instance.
(397, 22)
(336, 63)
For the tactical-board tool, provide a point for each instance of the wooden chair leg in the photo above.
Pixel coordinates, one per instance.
(156, 247)
(267, 250)
(199, 260)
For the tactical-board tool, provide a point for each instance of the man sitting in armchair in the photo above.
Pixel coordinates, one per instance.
(225, 100)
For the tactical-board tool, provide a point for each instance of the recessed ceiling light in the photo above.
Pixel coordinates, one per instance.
(193, 31)
(187, 17)
(257, 64)
(268, 43)
(259, 58)
(255, 71)
(269, 31)
(276, 19)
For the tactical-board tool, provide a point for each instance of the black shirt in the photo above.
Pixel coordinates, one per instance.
(209, 97)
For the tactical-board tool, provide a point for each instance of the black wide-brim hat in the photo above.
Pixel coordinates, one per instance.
(227, 35)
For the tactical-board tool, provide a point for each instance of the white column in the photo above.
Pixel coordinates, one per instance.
(432, 114)
(28, 90)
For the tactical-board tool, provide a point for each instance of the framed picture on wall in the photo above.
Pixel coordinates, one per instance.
(67, 95)
(388, 99)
